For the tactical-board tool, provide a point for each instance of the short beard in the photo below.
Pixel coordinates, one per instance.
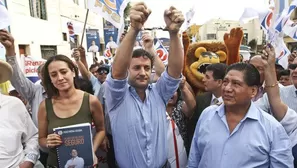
(136, 86)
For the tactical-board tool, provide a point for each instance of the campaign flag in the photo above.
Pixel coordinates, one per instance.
(290, 29)
(111, 10)
(110, 35)
(72, 37)
(281, 5)
(285, 17)
(189, 16)
(282, 53)
(161, 52)
(71, 32)
(108, 53)
(285, 24)
(93, 40)
(4, 16)
(30, 67)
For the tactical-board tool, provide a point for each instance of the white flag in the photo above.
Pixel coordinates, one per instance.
(110, 10)
(4, 16)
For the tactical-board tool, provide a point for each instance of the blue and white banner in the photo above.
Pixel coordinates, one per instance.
(285, 24)
(281, 5)
(282, 52)
(93, 40)
(111, 10)
(110, 35)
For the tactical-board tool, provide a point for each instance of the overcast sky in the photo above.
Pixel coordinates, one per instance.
(205, 9)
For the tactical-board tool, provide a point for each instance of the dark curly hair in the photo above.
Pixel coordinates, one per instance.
(142, 53)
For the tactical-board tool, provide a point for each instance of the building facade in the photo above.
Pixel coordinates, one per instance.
(216, 28)
(40, 26)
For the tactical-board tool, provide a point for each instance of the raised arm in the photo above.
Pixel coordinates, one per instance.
(188, 97)
(80, 60)
(22, 84)
(169, 81)
(278, 108)
(174, 19)
(148, 43)
(138, 15)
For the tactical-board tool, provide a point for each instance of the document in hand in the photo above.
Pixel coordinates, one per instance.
(77, 147)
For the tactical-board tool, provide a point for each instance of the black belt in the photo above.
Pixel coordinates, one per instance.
(49, 166)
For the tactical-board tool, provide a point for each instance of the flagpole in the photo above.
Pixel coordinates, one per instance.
(85, 23)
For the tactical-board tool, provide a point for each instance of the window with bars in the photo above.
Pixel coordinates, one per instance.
(211, 36)
(38, 9)
(48, 51)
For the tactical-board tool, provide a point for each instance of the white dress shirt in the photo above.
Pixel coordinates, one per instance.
(182, 154)
(220, 99)
(34, 94)
(19, 136)
(289, 122)
(77, 162)
(287, 94)
(111, 44)
(93, 48)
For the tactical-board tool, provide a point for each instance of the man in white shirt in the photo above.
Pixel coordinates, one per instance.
(111, 44)
(34, 94)
(19, 138)
(93, 48)
(75, 161)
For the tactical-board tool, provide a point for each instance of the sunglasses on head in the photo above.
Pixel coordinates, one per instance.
(292, 66)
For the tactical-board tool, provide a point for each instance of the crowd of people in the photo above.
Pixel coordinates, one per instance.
(246, 118)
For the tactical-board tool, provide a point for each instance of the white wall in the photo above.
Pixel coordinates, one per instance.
(35, 32)
(252, 28)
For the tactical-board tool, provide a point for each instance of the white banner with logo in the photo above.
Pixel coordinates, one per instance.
(29, 65)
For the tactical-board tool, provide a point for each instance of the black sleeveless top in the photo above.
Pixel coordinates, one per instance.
(82, 116)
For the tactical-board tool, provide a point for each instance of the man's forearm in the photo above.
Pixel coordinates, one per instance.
(83, 70)
(278, 108)
(84, 62)
(99, 137)
(19, 81)
(176, 57)
(159, 65)
(189, 100)
(10, 51)
(124, 55)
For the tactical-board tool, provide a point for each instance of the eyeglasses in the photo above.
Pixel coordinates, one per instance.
(292, 66)
(103, 72)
